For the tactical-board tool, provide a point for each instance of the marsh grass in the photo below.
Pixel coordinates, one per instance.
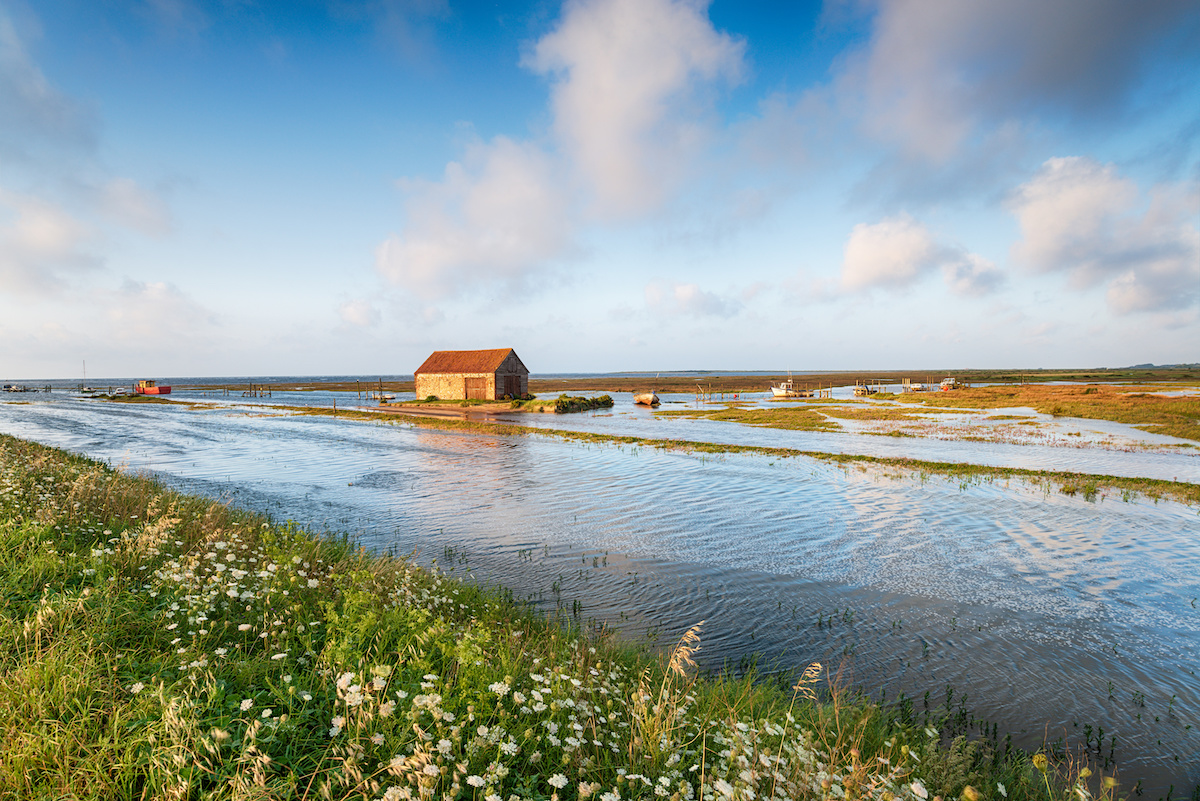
(1127, 488)
(162, 646)
(1098, 486)
(791, 418)
(1134, 405)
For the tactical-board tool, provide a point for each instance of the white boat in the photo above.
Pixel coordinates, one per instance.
(646, 399)
(786, 390)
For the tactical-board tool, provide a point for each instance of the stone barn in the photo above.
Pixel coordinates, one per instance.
(469, 374)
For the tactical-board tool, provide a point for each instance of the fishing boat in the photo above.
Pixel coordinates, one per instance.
(151, 388)
(646, 399)
(786, 389)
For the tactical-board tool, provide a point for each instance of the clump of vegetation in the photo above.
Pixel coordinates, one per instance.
(135, 398)
(156, 645)
(432, 399)
(565, 403)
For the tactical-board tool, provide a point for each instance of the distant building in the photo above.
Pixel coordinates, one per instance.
(469, 374)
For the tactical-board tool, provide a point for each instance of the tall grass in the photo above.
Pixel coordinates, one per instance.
(162, 646)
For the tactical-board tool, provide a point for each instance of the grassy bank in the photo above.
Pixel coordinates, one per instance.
(156, 645)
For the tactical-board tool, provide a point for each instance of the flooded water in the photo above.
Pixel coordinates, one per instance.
(1054, 616)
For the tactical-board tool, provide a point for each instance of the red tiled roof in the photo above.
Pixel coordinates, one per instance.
(464, 361)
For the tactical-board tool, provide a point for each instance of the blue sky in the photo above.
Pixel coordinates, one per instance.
(244, 188)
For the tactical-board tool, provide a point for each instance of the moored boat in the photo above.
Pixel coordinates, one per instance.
(646, 399)
(786, 390)
(151, 388)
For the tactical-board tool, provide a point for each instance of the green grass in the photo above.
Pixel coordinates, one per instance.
(790, 418)
(565, 404)
(155, 645)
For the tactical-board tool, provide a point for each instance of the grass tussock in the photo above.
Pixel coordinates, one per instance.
(566, 404)
(160, 646)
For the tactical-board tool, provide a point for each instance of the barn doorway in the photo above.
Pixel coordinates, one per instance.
(476, 388)
(512, 386)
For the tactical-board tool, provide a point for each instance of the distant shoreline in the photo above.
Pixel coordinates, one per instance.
(678, 380)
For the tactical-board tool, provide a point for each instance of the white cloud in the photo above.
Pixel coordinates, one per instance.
(688, 300)
(627, 127)
(156, 316)
(124, 201)
(1064, 212)
(935, 71)
(359, 313)
(40, 245)
(497, 217)
(899, 251)
(970, 274)
(895, 252)
(1082, 218)
(625, 97)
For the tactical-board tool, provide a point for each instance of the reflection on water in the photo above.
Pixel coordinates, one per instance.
(1050, 613)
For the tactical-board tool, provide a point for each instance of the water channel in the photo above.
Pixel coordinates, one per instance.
(1052, 615)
